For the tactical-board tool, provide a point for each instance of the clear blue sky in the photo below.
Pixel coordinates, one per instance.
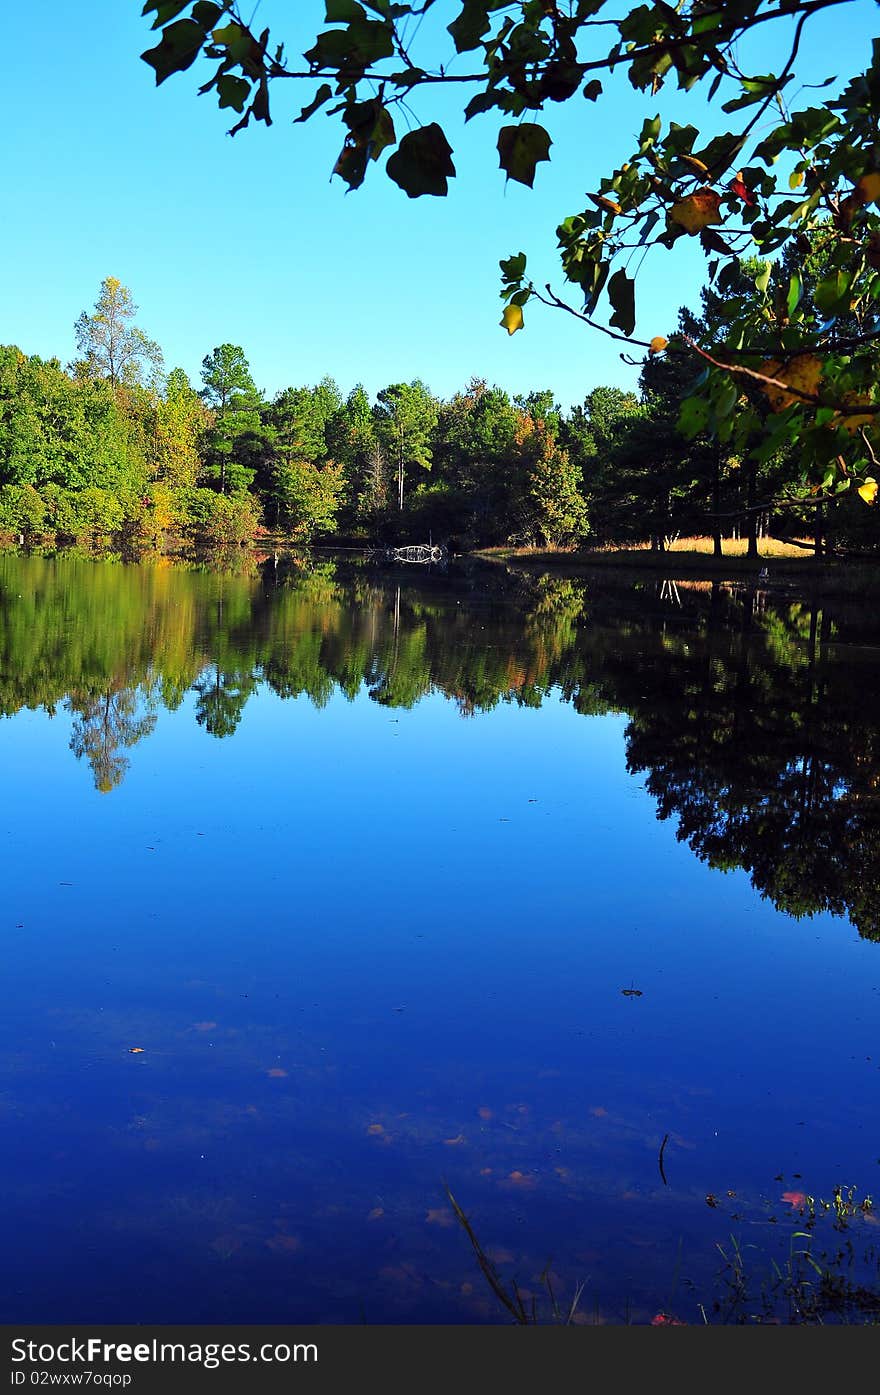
(248, 239)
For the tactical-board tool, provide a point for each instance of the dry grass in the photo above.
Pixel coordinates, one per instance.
(731, 547)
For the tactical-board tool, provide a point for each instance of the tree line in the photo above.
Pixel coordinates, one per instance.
(112, 448)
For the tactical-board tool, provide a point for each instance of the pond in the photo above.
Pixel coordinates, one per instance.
(330, 890)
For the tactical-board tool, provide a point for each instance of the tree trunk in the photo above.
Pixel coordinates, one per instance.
(717, 549)
(751, 516)
(818, 531)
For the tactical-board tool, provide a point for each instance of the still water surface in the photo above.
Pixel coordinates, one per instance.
(402, 881)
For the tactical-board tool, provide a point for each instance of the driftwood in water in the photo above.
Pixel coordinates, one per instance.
(422, 553)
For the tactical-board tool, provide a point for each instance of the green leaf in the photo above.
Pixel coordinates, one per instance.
(422, 163)
(832, 294)
(233, 91)
(693, 416)
(621, 293)
(513, 269)
(323, 94)
(344, 11)
(165, 10)
(795, 291)
(206, 14)
(484, 101)
(470, 26)
(407, 77)
(521, 148)
(178, 49)
(756, 90)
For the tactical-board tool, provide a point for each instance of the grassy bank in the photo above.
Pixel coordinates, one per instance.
(777, 563)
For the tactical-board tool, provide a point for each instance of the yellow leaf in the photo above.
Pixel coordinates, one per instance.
(868, 490)
(657, 344)
(610, 205)
(695, 164)
(854, 421)
(697, 211)
(512, 318)
(803, 373)
(796, 180)
(868, 187)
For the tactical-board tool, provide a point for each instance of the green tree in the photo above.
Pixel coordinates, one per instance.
(111, 345)
(356, 447)
(406, 418)
(307, 496)
(554, 513)
(181, 422)
(231, 394)
(475, 451)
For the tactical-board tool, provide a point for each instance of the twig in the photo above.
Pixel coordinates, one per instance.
(515, 1308)
(660, 1158)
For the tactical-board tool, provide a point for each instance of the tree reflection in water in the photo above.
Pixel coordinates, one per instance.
(750, 715)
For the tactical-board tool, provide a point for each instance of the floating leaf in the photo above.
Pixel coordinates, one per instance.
(276, 1073)
(697, 210)
(519, 1179)
(438, 1216)
(136, 1050)
(512, 318)
(284, 1244)
(375, 1130)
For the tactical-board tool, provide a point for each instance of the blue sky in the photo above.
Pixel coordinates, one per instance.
(248, 239)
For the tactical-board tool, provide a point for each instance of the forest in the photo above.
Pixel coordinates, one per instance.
(113, 450)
